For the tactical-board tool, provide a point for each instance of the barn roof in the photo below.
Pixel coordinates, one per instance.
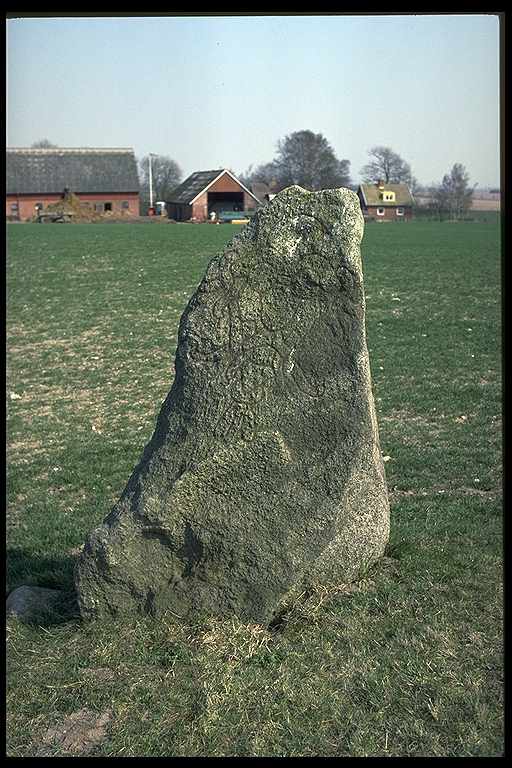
(198, 182)
(49, 171)
(371, 194)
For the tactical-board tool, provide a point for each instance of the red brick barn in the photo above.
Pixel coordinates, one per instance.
(206, 191)
(105, 179)
(385, 202)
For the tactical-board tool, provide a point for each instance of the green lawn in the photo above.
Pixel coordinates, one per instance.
(407, 661)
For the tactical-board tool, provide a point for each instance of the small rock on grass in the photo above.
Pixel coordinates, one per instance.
(28, 603)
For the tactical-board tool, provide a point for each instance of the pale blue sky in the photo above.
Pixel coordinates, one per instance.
(220, 91)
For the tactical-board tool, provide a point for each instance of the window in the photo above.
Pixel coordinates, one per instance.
(125, 204)
(14, 208)
(98, 207)
(400, 211)
(380, 211)
(108, 206)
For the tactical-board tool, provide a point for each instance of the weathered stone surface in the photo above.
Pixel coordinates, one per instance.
(264, 471)
(31, 603)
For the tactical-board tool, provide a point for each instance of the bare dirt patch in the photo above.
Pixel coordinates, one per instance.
(78, 734)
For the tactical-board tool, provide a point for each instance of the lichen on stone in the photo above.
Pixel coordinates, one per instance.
(264, 471)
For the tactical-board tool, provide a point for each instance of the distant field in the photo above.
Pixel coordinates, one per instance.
(479, 205)
(406, 662)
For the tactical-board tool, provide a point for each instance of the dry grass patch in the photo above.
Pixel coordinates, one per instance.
(78, 734)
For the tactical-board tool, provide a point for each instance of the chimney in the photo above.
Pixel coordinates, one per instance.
(380, 184)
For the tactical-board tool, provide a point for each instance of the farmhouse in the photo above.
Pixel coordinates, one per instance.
(104, 179)
(385, 202)
(204, 192)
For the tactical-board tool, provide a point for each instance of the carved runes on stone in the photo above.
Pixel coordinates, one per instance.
(264, 472)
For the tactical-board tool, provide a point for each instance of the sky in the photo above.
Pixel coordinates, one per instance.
(220, 91)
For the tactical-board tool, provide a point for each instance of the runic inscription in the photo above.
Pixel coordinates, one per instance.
(264, 470)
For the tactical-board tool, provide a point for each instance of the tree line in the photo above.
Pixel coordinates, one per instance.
(307, 159)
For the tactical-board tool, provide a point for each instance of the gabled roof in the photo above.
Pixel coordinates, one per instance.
(198, 182)
(371, 195)
(49, 171)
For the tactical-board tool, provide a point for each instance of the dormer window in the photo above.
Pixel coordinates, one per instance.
(387, 196)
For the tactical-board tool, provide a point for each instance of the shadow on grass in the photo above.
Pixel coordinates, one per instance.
(28, 568)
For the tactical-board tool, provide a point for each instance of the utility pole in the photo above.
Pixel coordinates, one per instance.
(150, 181)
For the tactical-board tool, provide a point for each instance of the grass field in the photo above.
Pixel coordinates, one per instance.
(407, 661)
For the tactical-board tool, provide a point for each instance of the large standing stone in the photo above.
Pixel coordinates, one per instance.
(264, 471)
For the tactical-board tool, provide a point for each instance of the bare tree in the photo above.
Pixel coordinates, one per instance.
(246, 177)
(387, 166)
(307, 159)
(303, 158)
(43, 144)
(414, 186)
(267, 173)
(166, 175)
(453, 197)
